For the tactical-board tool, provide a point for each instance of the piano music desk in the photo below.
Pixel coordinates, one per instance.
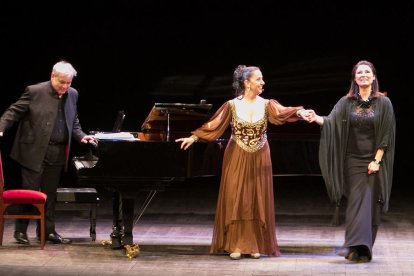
(83, 199)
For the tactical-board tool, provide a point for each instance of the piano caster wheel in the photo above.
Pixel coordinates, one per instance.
(116, 243)
(116, 237)
(92, 234)
(127, 240)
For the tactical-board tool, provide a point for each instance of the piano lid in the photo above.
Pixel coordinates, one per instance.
(162, 115)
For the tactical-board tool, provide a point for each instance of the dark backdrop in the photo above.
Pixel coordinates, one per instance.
(130, 54)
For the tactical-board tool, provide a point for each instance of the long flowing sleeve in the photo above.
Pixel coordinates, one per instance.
(332, 149)
(217, 125)
(279, 114)
(385, 127)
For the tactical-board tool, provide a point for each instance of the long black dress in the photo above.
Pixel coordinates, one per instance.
(350, 137)
(360, 188)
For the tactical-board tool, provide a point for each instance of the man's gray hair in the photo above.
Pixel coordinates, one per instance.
(63, 67)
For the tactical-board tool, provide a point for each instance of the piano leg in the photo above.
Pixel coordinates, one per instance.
(127, 219)
(117, 229)
(123, 217)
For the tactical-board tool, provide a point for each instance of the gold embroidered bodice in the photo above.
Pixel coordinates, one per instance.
(251, 137)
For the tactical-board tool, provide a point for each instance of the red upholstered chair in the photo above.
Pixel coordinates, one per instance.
(17, 196)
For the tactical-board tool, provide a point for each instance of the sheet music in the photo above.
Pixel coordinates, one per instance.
(115, 136)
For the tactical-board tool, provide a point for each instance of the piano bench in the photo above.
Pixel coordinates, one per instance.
(83, 199)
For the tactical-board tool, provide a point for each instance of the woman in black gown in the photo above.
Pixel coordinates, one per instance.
(356, 157)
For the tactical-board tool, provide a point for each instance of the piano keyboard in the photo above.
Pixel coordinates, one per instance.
(84, 164)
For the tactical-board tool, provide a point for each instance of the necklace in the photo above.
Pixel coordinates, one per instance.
(364, 103)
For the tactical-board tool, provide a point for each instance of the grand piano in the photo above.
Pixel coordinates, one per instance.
(151, 161)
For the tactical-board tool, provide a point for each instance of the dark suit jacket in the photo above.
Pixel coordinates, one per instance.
(36, 110)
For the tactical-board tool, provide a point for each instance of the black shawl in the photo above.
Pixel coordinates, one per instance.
(334, 138)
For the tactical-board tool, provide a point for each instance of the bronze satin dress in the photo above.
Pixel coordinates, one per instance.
(245, 214)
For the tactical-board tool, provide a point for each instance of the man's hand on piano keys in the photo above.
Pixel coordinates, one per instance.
(185, 142)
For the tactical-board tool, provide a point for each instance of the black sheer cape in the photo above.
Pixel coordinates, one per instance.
(333, 141)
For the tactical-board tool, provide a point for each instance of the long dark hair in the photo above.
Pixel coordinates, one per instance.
(354, 89)
(242, 73)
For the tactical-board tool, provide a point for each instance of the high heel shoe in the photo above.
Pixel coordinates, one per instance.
(255, 255)
(235, 256)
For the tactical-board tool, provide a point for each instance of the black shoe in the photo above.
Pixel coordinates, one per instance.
(353, 256)
(364, 259)
(21, 237)
(56, 238)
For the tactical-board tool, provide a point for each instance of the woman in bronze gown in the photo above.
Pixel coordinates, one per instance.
(245, 215)
(356, 156)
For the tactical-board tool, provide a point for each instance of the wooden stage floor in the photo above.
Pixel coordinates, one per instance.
(174, 236)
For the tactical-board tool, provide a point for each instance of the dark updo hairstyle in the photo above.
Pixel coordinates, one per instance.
(354, 89)
(242, 73)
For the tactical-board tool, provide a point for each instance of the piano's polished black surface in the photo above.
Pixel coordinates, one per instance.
(152, 161)
(126, 162)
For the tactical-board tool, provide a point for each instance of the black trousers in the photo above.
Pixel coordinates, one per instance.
(46, 181)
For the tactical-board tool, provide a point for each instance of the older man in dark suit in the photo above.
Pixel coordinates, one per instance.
(48, 119)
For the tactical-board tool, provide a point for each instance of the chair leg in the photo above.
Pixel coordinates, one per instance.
(1, 229)
(92, 215)
(41, 208)
(42, 229)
